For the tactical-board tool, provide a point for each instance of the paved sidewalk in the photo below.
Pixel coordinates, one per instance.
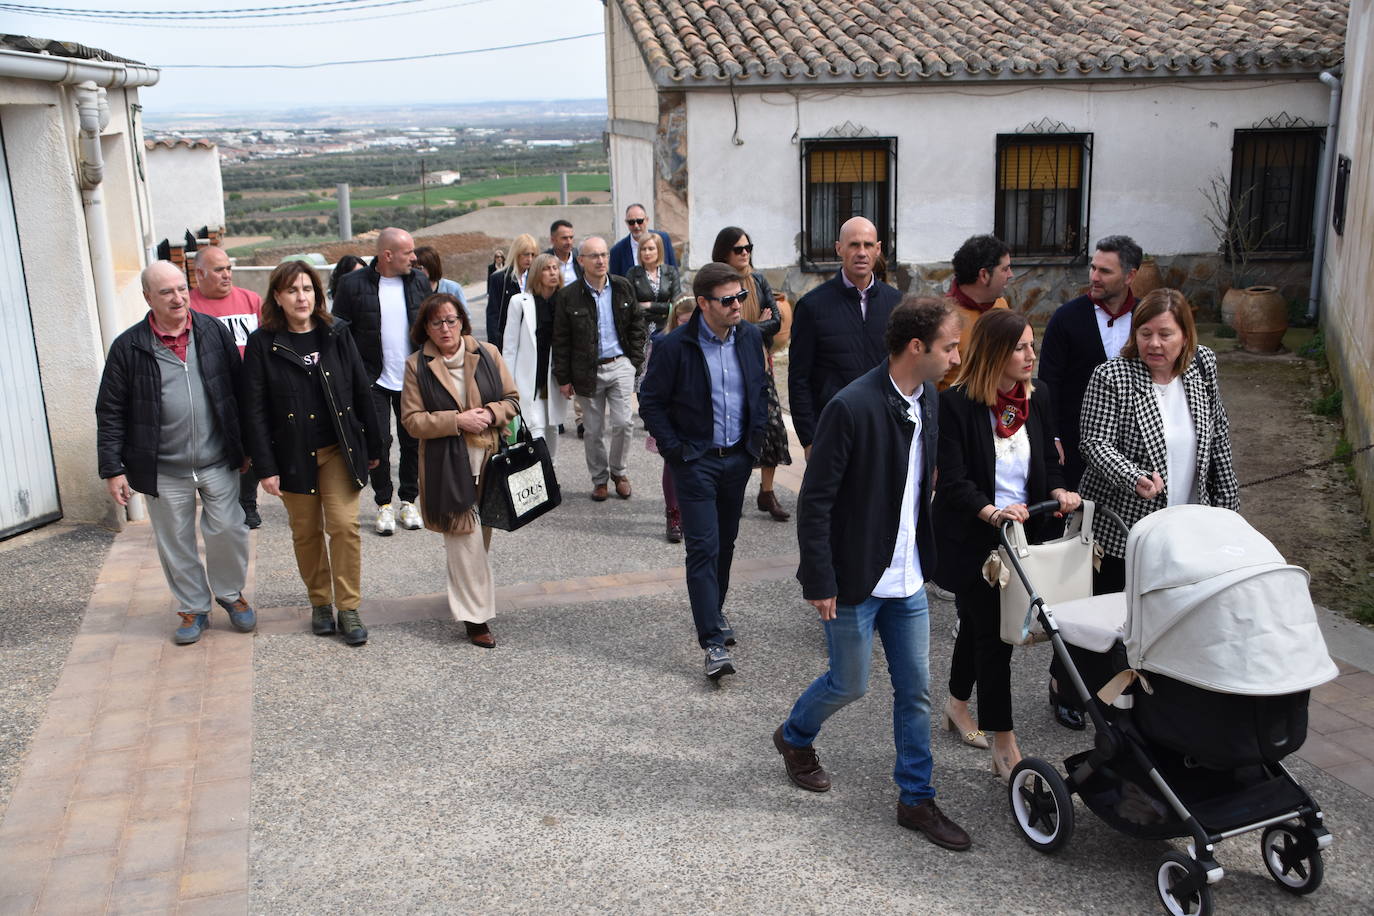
(585, 764)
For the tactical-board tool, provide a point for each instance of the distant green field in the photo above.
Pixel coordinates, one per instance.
(465, 193)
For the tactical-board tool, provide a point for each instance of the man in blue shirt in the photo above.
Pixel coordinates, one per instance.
(597, 349)
(703, 399)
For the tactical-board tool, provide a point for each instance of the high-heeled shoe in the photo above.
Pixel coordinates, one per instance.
(976, 738)
(1002, 768)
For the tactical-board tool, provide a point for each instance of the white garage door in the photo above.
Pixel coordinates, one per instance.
(28, 480)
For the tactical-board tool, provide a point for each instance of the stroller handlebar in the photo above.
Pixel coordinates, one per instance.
(1043, 508)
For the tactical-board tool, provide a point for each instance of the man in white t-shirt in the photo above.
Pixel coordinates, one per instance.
(380, 304)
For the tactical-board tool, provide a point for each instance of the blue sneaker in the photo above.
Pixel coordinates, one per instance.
(192, 625)
(718, 663)
(241, 616)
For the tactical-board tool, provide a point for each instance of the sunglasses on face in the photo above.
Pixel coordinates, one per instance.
(634, 222)
(728, 301)
(438, 323)
(743, 249)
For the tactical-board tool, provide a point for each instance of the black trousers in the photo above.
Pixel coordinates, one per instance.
(710, 494)
(387, 403)
(981, 657)
(248, 490)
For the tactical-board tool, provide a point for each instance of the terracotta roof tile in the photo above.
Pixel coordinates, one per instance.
(706, 41)
(174, 142)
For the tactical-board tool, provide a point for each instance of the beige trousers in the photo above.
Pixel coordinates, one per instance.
(471, 592)
(333, 573)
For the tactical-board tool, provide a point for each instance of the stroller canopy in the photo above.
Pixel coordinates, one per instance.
(1213, 604)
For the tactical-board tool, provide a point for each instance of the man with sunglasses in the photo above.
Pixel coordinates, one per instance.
(625, 253)
(704, 399)
(837, 328)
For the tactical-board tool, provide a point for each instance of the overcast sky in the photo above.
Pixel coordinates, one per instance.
(365, 29)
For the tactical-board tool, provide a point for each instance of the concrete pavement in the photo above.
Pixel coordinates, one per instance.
(583, 765)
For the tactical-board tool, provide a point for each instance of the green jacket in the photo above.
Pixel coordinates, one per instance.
(576, 334)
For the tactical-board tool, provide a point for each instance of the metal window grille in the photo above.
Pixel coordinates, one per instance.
(1342, 188)
(1274, 187)
(1042, 195)
(843, 179)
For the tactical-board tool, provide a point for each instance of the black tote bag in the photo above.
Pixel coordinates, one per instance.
(518, 483)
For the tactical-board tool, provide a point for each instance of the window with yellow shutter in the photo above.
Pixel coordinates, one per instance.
(1042, 195)
(843, 179)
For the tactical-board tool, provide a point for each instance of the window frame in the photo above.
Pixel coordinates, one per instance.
(886, 223)
(1316, 137)
(1021, 252)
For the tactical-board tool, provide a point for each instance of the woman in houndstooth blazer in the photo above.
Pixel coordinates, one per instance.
(1154, 430)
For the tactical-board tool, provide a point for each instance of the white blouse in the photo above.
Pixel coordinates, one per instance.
(1012, 466)
(1180, 442)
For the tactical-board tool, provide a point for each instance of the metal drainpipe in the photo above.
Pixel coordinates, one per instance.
(94, 117)
(1333, 119)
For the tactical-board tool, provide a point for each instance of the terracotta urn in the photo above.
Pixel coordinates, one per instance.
(1147, 279)
(1261, 319)
(1229, 303)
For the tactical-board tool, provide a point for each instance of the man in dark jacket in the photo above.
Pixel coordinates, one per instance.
(167, 426)
(598, 346)
(837, 328)
(380, 305)
(865, 554)
(704, 399)
(1082, 334)
(625, 253)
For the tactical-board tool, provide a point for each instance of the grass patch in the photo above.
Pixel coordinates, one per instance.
(1225, 331)
(1329, 404)
(467, 193)
(1314, 349)
(1364, 612)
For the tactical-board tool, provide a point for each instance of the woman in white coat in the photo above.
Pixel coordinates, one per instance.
(526, 346)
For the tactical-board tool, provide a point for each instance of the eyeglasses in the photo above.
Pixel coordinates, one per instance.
(743, 249)
(438, 323)
(728, 301)
(634, 222)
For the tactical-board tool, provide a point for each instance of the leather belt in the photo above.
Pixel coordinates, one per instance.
(609, 359)
(725, 452)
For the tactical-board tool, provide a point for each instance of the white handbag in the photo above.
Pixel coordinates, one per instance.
(1059, 570)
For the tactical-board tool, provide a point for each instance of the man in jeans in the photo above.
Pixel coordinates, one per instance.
(704, 399)
(380, 304)
(598, 345)
(167, 426)
(864, 554)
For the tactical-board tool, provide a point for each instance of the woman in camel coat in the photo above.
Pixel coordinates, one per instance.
(457, 398)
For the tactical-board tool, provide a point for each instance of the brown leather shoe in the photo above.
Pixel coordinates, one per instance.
(622, 486)
(769, 503)
(599, 493)
(479, 634)
(930, 820)
(803, 766)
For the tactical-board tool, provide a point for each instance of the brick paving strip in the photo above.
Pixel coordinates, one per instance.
(135, 792)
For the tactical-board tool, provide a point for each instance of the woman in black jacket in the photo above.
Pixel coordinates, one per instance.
(655, 283)
(733, 247)
(309, 425)
(997, 456)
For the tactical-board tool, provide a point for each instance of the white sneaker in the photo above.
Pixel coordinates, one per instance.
(386, 520)
(410, 517)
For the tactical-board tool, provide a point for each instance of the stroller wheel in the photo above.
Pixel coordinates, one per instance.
(1041, 804)
(1182, 886)
(1292, 857)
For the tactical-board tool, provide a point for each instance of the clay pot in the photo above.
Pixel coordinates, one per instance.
(1229, 303)
(1261, 319)
(1147, 279)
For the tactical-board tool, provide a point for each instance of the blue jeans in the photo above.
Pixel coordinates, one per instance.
(710, 492)
(904, 625)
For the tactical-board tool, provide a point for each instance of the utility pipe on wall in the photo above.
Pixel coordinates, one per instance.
(1323, 208)
(91, 172)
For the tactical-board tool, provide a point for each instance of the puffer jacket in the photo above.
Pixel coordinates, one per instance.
(576, 332)
(277, 392)
(356, 301)
(128, 407)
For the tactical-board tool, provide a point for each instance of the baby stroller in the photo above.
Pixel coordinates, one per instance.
(1209, 656)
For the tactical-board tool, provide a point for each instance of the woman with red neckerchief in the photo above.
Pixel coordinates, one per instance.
(997, 456)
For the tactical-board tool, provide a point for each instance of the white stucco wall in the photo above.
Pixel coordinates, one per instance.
(1154, 146)
(186, 189)
(1347, 316)
(40, 127)
(632, 178)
